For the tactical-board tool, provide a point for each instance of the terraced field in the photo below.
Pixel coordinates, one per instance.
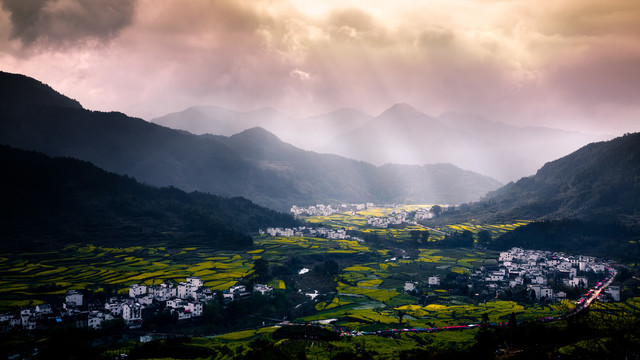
(368, 295)
(34, 276)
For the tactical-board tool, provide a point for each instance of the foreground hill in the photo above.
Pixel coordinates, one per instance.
(61, 200)
(599, 181)
(254, 164)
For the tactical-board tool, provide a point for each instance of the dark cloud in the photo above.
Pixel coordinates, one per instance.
(55, 23)
(519, 61)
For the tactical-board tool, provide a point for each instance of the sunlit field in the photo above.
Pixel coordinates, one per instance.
(38, 275)
(369, 289)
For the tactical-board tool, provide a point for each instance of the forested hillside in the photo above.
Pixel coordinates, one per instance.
(52, 202)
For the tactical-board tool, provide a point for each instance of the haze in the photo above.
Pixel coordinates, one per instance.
(567, 64)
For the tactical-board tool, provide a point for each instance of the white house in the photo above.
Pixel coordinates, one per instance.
(189, 288)
(546, 292)
(539, 280)
(261, 288)
(131, 312)
(29, 323)
(409, 286)
(176, 303)
(195, 281)
(579, 281)
(113, 306)
(518, 280)
(163, 292)
(183, 314)
(44, 309)
(194, 307)
(73, 298)
(434, 280)
(137, 290)
(237, 289)
(95, 320)
(145, 300)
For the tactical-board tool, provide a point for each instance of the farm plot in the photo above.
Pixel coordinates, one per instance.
(38, 275)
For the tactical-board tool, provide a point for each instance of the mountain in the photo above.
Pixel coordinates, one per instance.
(402, 134)
(337, 179)
(308, 133)
(254, 163)
(62, 200)
(600, 181)
(219, 121)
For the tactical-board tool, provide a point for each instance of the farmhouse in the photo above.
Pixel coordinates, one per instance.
(73, 298)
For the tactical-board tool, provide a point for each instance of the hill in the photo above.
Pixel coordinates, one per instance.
(61, 200)
(254, 164)
(600, 181)
(404, 135)
(309, 133)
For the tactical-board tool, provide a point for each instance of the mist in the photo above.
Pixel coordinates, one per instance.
(400, 135)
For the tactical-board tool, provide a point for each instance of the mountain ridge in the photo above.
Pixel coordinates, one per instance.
(404, 135)
(600, 181)
(255, 164)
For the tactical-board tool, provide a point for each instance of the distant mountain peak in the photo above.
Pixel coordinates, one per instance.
(257, 132)
(402, 109)
(257, 138)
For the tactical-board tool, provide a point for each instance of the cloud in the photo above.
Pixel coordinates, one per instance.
(520, 61)
(60, 23)
(299, 74)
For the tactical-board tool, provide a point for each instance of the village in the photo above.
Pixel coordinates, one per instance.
(321, 232)
(326, 210)
(397, 217)
(80, 310)
(544, 275)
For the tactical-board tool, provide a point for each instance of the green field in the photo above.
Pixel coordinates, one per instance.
(368, 294)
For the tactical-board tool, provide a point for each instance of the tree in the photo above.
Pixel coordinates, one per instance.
(331, 267)
(261, 269)
(424, 236)
(400, 316)
(436, 210)
(484, 238)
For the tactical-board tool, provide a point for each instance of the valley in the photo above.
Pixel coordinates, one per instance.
(122, 238)
(382, 280)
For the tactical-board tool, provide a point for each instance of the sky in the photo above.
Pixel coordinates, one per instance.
(570, 64)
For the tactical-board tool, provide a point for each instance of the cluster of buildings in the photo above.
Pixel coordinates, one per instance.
(238, 292)
(423, 214)
(326, 210)
(532, 268)
(185, 300)
(396, 218)
(321, 232)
